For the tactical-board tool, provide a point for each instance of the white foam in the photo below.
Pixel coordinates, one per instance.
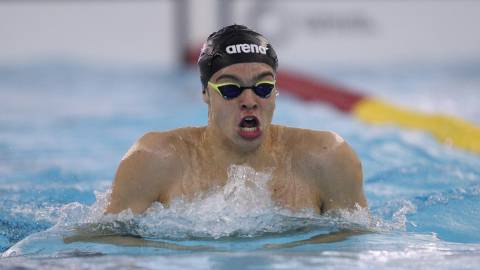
(241, 208)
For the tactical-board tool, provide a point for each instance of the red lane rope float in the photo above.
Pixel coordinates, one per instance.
(446, 129)
(310, 89)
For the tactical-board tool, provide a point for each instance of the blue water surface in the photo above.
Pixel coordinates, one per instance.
(64, 127)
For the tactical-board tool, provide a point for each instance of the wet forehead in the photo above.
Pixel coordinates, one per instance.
(244, 73)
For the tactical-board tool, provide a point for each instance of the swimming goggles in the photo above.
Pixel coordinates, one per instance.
(231, 90)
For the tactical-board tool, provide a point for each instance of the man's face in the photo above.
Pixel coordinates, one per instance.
(242, 121)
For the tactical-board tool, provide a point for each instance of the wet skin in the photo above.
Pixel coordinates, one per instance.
(310, 169)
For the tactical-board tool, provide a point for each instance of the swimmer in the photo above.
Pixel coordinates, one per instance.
(310, 169)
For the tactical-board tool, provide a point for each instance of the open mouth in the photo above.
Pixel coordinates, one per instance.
(249, 127)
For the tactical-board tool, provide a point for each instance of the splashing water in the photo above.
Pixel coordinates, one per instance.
(243, 208)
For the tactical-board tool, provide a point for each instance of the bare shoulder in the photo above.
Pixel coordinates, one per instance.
(331, 164)
(149, 168)
(167, 141)
(309, 141)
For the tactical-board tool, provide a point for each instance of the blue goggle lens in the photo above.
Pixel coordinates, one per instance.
(230, 91)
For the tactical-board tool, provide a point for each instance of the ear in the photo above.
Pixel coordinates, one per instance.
(206, 96)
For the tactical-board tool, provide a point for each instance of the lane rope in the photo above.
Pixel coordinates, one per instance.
(447, 129)
(450, 130)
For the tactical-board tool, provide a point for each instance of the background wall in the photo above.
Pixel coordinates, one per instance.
(324, 33)
(120, 32)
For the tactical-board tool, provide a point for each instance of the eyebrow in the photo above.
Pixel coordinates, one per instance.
(235, 78)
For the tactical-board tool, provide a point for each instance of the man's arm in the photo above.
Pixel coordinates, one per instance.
(345, 185)
(331, 237)
(144, 174)
(337, 172)
(143, 177)
(129, 241)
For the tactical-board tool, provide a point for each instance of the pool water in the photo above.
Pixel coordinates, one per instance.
(64, 127)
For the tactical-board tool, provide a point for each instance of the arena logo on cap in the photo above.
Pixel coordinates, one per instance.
(246, 48)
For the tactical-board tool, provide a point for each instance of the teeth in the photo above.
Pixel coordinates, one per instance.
(249, 118)
(249, 129)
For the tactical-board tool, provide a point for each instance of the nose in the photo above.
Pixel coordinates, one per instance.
(248, 100)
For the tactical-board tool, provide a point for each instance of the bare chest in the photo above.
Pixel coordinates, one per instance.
(293, 191)
(285, 186)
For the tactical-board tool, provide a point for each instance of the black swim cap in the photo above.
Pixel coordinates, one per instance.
(234, 44)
